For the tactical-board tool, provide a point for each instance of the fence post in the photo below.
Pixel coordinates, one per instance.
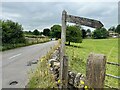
(62, 51)
(65, 72)
(96, 68)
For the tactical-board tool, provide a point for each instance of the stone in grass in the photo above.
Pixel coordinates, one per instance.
(56, 70)
(56, 64)
(51, 61)
(77, 79)
(71, 77)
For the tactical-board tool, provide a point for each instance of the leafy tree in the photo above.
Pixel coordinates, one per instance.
(88, 31)
(36, 32)
(41, 33)
(12, 32)
(46, 32)
(111, 29)
(55, 31)
(28, 32)
(100, 33)
(118, 29)
(73, 34)
(83, 33)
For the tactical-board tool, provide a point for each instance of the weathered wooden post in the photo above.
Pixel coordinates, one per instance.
(96, 68)
(63, 58)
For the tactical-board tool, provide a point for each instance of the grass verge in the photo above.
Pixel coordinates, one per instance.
(42, 77)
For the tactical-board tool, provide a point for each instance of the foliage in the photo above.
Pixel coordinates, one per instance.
(73, 34)
(78, 54)
(46, 32)
(29, 41)
(55, 31)
(28, 32)
(36, 32)
(12, 32)
(32, 33)
(100, 33)
(88, 31)
(118, 29)
(111, 29)
(83, 33)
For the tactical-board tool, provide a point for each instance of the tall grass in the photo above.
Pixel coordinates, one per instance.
(42, 77)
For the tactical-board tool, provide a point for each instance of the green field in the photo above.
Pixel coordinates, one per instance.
(78, 54)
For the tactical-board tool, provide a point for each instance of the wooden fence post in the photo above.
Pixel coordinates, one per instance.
(62, 51)
(65, 72)
(95, 73)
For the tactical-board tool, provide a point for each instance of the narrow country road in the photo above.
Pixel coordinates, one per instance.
(16, 63)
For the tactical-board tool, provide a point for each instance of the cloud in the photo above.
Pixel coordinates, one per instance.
(39, 15)
(60, 1)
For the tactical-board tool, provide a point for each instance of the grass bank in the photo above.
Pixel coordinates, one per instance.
(42, 77)
(78, 54)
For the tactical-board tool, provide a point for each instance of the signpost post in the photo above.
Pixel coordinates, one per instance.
(63, 59)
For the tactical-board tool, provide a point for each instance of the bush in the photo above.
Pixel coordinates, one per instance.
(12, 32)
(100, 33)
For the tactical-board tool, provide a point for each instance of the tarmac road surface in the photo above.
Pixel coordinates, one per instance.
(16, 63)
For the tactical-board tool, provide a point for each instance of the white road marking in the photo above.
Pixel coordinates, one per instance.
(15, 55)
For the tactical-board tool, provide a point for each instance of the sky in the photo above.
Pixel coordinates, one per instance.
(40, 15)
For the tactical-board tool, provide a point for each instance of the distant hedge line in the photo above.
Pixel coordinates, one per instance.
(11, 46)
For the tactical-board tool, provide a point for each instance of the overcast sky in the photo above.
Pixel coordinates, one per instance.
(40, 15)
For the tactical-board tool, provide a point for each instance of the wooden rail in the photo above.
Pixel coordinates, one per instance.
(113, 63)
(109, 75)
(110, 87)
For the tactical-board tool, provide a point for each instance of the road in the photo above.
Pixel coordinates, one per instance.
(15, 63)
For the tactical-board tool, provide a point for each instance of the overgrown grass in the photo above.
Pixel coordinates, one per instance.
(42, 77)
(78, 54)
(28, 42)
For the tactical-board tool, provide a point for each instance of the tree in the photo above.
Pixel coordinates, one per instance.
(83, 33)
(36, 32)
(55, 31)
(88, 31)
(118, 29)
(100, 33)
(73, 34)
(41, 33)
(12, 32)
(46, 32)
(28, 32)
(111, 29)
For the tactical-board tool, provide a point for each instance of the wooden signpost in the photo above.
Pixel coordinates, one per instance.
(63, 60)
(84, 21)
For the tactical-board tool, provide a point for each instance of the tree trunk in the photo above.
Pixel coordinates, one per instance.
(68, 42)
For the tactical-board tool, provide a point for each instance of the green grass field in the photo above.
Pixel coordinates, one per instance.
(78, 54)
